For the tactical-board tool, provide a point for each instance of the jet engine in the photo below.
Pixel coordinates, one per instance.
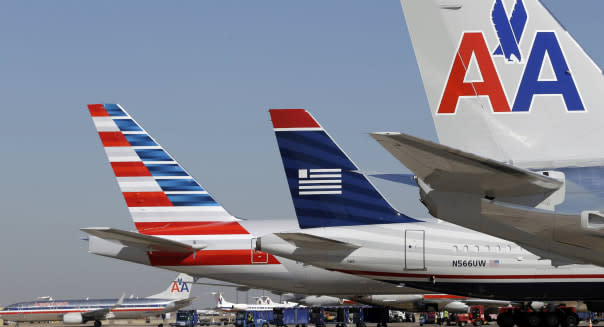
(456, 307)
(322, 300)
(73, 318)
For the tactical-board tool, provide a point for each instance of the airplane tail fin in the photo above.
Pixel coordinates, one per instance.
(179, 289)
(506, 81)
(162, 197)
(325, 185)
(220, 301)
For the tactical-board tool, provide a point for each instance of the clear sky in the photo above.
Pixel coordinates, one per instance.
(200, 77)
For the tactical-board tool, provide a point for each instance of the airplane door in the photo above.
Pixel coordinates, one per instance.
(414, 250)
(258, 257)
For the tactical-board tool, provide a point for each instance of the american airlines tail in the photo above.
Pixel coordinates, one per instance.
(221, 303)
(163, 199)
(179, 289)
(506, 81)
(326, 187)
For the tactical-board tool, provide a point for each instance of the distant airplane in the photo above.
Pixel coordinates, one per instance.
(81, 311)
(406, 302)
(208, 312)
(316, 300)
(263, 303)
(431, 302)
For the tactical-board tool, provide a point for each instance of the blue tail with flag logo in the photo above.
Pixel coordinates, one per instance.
(326, 187)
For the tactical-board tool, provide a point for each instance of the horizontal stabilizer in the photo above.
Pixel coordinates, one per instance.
(153, 242)
(448, 169)
(303, 240)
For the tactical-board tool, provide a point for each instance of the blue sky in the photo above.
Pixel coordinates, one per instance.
(200, 77)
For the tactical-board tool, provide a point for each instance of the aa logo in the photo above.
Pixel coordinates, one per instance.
(545, 54)
(179, 286)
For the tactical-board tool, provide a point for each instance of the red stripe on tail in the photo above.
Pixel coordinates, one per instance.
(97, 110)
(292, 118)
(147, 199)
(190, 228)
(113, 139)
(130, 169)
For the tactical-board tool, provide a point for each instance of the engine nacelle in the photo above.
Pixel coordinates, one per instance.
(456, 307)
(322, 300)
(73, 318)
(537, 305)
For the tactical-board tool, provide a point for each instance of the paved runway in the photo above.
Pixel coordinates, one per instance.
(166, 324)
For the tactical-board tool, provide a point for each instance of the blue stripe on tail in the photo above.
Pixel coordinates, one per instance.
(325, 186)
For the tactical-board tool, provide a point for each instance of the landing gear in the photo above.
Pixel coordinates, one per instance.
(97, 323)
(527, 317)
(570, 321)
(505, 319)
(551, 319)
(533, 319)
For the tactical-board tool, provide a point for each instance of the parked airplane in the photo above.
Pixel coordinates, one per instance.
(432, 302)
(80, 311)
(182, 228)
(208, 312)
(263, 303)
(166, 205)
(316, 300)
(517, 105)
(348, 226)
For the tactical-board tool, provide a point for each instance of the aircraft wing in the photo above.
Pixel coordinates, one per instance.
(153, 242)
(448, 169)
(184, 302)
(540, 231)
(303, 240)
(102, 313)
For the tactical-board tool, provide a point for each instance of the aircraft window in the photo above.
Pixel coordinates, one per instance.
(465, 249)
(488, 248)
(455, 248)
(498, 248)
(509, 248)
(476, 249)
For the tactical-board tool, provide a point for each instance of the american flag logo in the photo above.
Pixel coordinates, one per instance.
(493, 263)
(319, 181)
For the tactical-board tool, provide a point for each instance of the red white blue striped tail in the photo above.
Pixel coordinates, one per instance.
(162, 197)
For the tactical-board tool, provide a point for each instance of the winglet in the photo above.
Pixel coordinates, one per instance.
(119, 302)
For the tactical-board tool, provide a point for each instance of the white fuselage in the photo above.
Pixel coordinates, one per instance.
(56, 309)
(443, 257)
(231, 258)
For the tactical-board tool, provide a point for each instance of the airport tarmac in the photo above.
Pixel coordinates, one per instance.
(166, 324)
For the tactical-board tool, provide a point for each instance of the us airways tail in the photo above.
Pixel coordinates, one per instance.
(179, 289)
(506, 81)
(163, 199)
(326, 187)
